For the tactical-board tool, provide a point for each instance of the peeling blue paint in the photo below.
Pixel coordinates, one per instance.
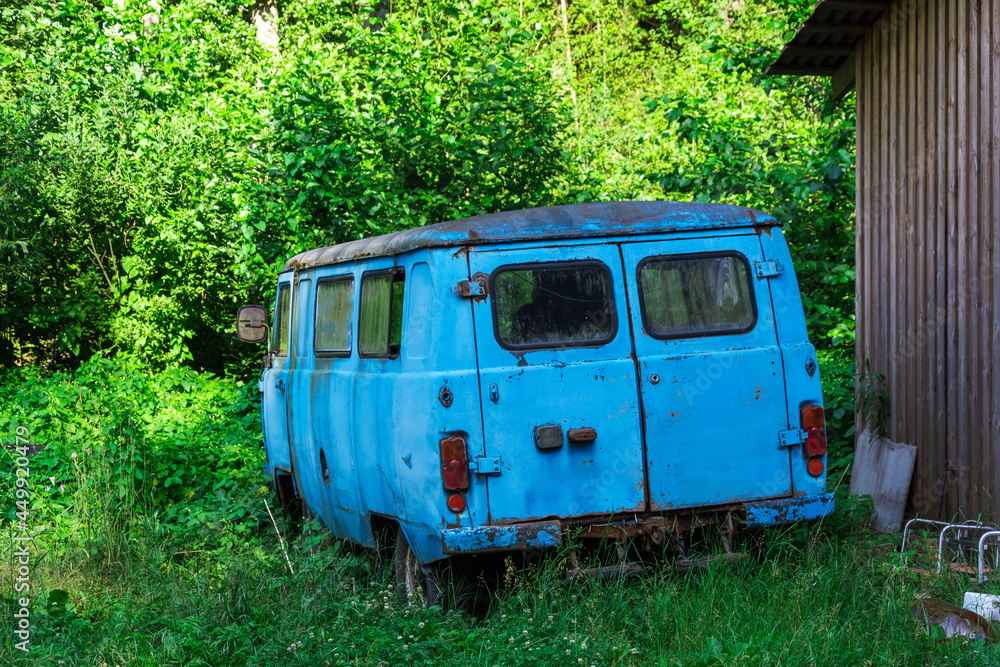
(788, 510)
(484, 539)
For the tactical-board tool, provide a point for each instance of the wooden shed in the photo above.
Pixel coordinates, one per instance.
(927, 77)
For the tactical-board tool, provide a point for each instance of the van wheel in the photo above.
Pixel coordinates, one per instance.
(415, 582)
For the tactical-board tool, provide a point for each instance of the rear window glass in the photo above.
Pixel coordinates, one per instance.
(696, 295)
(334, 314)
(553, 305)
(380, 325)
(282, 318)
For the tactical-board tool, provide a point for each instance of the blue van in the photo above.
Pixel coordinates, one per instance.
(610, 370)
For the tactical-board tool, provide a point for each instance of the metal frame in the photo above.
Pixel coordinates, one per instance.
(989, 534)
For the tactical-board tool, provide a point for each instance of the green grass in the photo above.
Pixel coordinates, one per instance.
(128, 570)
(836, 603)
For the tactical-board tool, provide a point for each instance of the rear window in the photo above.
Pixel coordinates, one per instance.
(334, 313)
(553, 305)
(696, 295)
(380, 325)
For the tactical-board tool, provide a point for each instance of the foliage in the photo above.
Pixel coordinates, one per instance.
(121, 148)
(873, 400)
(120, 446)
(431, 114)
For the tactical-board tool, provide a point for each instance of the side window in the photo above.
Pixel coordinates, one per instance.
(282, 321)
(557, 305)
(334, 316)
(696, 295)
(380, 322)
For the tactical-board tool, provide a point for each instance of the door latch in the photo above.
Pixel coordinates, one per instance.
(485, 465)
(768, 268)
(790, 438)
(474, 288)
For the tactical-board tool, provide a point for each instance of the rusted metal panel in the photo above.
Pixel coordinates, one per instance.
(593, 220)
(485, 539)
(928, 221)
(788, 510)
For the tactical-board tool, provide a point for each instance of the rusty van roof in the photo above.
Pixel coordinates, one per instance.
(593, 220)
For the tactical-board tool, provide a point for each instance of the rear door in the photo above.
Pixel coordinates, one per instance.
(554, 352)
(712, 380)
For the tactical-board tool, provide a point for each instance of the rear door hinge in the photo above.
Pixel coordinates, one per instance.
(768, 268)
(485, 465)
(474, 288)
(790, 438)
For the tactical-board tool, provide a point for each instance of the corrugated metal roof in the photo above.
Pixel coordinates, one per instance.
(552, 222)
(827, 39)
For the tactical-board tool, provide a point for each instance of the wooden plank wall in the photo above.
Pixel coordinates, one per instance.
(928, 246)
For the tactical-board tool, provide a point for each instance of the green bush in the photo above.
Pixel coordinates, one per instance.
(120, 444)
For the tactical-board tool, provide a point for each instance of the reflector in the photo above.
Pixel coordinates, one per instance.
(815, 467)
(456, 503)
(815, 442)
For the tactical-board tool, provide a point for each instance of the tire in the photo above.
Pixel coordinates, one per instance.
(415, 582)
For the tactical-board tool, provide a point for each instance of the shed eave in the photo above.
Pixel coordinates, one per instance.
(828, 38)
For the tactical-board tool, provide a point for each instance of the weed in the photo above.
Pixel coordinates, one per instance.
(127, 572)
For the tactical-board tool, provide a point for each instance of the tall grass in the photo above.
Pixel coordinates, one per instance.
(836, 603)
(127, 570)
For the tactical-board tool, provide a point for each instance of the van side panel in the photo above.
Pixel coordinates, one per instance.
(331, 426)
(404, 407)
(378, 421)
(798, 354)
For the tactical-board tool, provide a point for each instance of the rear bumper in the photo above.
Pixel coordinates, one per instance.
(546, 534)
(788, 510)
(520, 537)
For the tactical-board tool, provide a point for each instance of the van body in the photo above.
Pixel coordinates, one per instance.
(493, 383)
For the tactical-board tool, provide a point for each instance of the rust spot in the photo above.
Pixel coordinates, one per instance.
(675, 414)
(445, 396)
(757, 394)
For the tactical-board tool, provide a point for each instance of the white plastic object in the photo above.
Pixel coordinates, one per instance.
(987, 606)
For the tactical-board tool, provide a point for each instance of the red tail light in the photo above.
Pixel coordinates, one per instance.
(813, 421)
(454, 464)
(815, 441)
(815, 467)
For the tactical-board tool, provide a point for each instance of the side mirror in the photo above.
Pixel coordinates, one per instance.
(251, 324)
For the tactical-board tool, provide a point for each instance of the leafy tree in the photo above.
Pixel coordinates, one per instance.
(428, 114)
(121, 147)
